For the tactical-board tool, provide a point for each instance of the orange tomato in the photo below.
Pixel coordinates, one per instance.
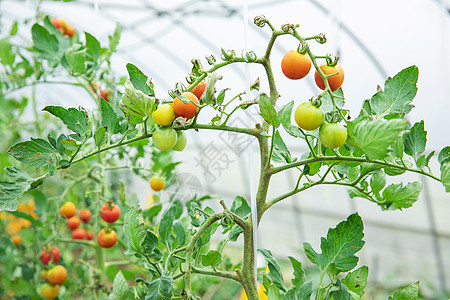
(334, 81)
(182, 109)
(295, 65)
(199, 89)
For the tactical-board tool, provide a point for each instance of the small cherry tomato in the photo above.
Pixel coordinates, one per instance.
(181, 141)
(57, 275)
(308, 117)
(46, 254)
(69, 31)
(188, 110)
(295, 65)
(157, 183)
(73, 223)
(78, 234)
(110, 212)
(16, 239)
(49, 291)
(85, 215)
(332, 135)
(164, 138)
(163, 115)
(68, 210)
(58, 23)
(199, 89)
(106, 239)
(89, 235)
(334, 81)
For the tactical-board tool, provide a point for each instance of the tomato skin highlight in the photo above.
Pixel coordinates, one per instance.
(308, 117)
(49, 291)
(106, 239)
(110, 212)
(57, 275)
(46, 255)
(164, 138)
(199, 89)
(157, 183)
(332, 135)
(68, 210)
(163, 115)
(182, 109)
(334, 81)
(295, 65)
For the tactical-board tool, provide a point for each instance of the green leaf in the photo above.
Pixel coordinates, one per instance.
(76, 120)
(398, 93)
(445, 175)
(180, 234)
(375, 136)
(139, 80)
(415, 140)
(75, 57)
(284, 117)
(275, 273)
(92, 46)
(150, 242)
(9, 194)
(268, 112)
(444, 155)
(132, 231)
(7, 56)
(377, 181)
(410, 292)
(37, 153)
(299, 274)
(166, 223)
(340, 246)
(402, 197)
(356, 281)
(339, 292)
(135, 105)
(240, 207)
(18, 175)
(109, 118)
(121, 290)
(213, 258)
(44, 42)
(100, 137)
(114, 39)
(273, 293)
(327, 104)
(13, 30)
(305, 291)
(280, 152)
(160, 289)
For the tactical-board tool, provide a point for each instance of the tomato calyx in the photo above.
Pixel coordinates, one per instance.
(303, 47)
(316, 102)
(332, 61)
(110, 204)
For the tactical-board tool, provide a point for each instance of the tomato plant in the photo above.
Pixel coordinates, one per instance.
(308, 117)
(110, 212)
(295, 65)
(106, 238)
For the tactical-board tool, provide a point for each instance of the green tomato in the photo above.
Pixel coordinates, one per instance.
(308, 117)
(181, 141)
(332, 135)
(164, 138)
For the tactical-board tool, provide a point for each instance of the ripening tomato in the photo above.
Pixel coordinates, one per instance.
(58, 23)
(157, 183)
(44, 274)
(49, 291)
(181, 141)
(163, 115)
(69, 31)
(46, 254)
(68, 210)
(199, 89)
(309, 117)
(16, 239)
(334, 81)
(78, 234)
(89, 235)
(85, 215)
(182, 109)
(332, 135)
(110, 212)
(105, 95)
(261, 293)
(57, 275)
(295, 65)
(73, 223)
(106, 238)
(164, 138)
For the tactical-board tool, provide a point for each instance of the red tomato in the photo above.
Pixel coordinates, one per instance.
(73, 223)
(85, 215)
(89, 235)
(78, 234)
(110, 212)
(46, 255)
(106, 239)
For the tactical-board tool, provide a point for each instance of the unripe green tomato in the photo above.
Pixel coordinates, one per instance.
(181, 141)
(308, 117)
(332, 135)
(164, 138)
(163, 115)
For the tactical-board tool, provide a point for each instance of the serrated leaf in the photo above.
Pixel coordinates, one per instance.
(9, 194)
(76, 120)
(160, 289)
(275, 273)
(135, 105)
(299, 274)
(150, 242)
(180, 234)
(213, 258)
(410, 292)
(398, 93)
(378, 181)
(402, 197)
(109, 118)
(92, 46)
(75, 57)
(139, 80)
(445, 175)
(100, 137)
(166, 223)
(45, 43)
(18, 175)
(356, 281)
(121, 290)
(132, 231)
(375, 136)
(280, 152)
(340, 246)
(267, 110)
(415, 140)
(327, 104)
(37, 153)
(114, 39)
(284, 117)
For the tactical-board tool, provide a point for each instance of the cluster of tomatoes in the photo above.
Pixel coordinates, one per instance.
(15, 224)
(65, 29)
(308, 116)
(68, 211)
(165, 137)
(110, 213)
(54, 276)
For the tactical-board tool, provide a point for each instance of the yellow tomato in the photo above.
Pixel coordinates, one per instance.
(163, 115)
(261, 290)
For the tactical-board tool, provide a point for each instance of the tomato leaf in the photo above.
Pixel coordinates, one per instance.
(410, 292)
(327, 104)
(444, 155)
(76, 120)
(284, 117)
(299, 274)
(75, 57)
(356, 281)
(121, 289)
(132, 231)
(160, 289)
(7, 56)
(280, 152)
(275, 272)
(398, 93)
(445, 175)
(114, 39)
(135, 105)
(45, 43)
(375, 136)
(213, 258)
(240, 207)
(9, 194)
(92, 46)
(377, 181)
(139, 80)
(100, 137)
(267, 110)
(37, 152)
(415, 140)
(340, 246)
(166, 223)
(402, 197)
(109, 118)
